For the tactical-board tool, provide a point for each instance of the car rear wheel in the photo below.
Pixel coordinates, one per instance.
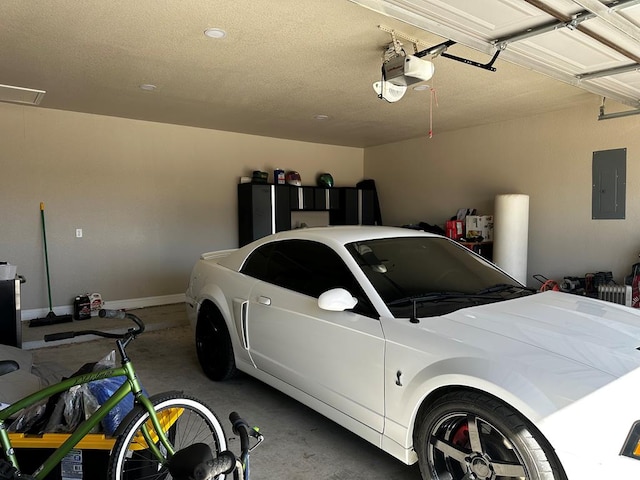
(213, 344)
(470, 435)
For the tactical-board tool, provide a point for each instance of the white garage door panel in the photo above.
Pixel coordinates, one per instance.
(615, 35)
(627, 84)
(632, 14)
(486, 20)
(570, 51)
(566, 7)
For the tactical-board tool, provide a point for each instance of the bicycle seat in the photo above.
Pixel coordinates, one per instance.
(8, 366)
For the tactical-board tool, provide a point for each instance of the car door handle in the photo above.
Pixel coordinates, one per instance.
(264, 300)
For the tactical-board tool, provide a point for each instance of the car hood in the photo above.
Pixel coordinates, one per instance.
(602, 335)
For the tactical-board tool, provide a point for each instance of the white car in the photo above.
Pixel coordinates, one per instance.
(428, 351)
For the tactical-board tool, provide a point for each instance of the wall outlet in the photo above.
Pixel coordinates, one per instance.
(78, 233)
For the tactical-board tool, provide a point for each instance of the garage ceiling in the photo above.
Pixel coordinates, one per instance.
(284, 62)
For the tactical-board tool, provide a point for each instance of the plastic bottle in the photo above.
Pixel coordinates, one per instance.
(82, 307)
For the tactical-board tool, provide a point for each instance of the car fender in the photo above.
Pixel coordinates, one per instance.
(211, 292)
(483, 374)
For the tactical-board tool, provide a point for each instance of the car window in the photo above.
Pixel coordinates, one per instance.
(306, 267)
(409, 267)
(256, 264)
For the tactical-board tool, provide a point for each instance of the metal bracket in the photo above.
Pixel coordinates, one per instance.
(608, 116)
(441, 50)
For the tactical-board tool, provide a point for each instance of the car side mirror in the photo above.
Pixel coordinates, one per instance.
(337, 300)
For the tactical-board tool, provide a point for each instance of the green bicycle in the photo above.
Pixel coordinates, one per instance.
(165, 436)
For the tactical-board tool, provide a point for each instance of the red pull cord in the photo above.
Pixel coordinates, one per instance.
(433, 97)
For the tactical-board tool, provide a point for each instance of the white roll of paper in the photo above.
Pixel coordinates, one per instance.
(511, 234)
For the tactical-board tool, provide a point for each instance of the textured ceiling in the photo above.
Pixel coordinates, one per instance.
(281, 63)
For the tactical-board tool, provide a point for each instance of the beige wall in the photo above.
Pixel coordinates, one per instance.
(547, 157)
(149, 197)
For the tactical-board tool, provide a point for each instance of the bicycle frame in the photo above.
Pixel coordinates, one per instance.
(132, 385)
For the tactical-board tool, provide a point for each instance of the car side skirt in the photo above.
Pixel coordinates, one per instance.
(376, 438)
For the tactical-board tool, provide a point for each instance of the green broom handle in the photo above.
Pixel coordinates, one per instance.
(46, 254)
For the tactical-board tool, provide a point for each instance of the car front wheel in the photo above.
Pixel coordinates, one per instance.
(471, 435)
(213, 344)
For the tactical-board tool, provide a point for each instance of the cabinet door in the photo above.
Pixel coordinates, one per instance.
(320, 198)
(255, 212)
(283, 208)
(302, 198)
(367, 209)
(348, 213)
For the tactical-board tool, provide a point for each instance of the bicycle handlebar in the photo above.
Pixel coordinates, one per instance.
(121, 314)
(224, 463)
(118, 314)
(52, 337)
(240, 427)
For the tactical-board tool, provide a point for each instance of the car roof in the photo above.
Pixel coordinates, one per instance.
(334, 236)
(349, 233)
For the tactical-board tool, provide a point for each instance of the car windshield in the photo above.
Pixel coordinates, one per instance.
(430, 276)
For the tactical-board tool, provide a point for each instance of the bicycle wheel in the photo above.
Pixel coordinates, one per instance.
(187, 421)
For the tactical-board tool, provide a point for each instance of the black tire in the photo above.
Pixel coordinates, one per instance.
(213, 344)
(131, 458)
(506, 446)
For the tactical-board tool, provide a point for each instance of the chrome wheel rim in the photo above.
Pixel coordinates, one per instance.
(464, 446)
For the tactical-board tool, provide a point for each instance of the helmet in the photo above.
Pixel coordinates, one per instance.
(293, 178)
(259, 177)
(325, 180)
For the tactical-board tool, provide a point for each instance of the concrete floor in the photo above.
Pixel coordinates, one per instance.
(300, 444)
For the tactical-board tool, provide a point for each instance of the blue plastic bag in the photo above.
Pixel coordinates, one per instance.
(102, 390)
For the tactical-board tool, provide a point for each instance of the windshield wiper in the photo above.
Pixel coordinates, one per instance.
(502, 287)
(436, 296)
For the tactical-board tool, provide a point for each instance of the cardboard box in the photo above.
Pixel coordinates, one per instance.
(479, 226)
(454, 229)
(487, 227)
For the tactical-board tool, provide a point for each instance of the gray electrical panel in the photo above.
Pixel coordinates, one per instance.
(609, 180)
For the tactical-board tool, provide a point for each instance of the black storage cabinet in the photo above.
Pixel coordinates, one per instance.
(264, 209)
(10, 317)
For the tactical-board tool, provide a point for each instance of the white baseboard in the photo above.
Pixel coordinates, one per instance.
(127, 304)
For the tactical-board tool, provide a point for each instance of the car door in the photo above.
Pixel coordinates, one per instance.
(336, 357)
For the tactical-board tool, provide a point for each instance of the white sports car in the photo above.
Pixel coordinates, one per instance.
(428, 351)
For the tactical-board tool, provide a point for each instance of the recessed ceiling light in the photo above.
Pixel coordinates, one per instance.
(320, 117)
(421, 88)
(215, 33)
(149, 87)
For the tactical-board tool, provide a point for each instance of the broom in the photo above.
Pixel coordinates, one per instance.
(51, 317)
